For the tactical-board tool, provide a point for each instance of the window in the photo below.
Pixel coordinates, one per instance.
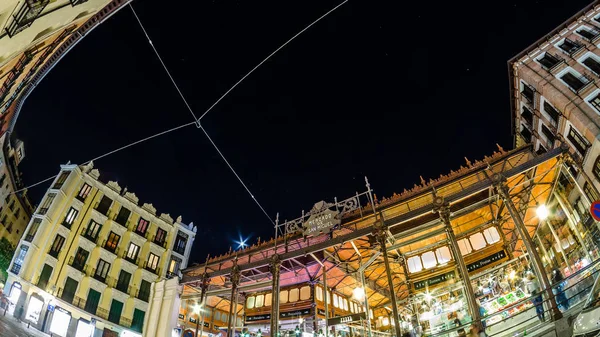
(587, 33)
(17, 213)
(84, 191)
(477, 241)
(527, 115)
(116, 308)
(491, 235)
(92, 230)
(429, 260)
(573, 81)
(70, 218)
(104, 205)
(541, 149)
(414, 264)
(9, 227)
(260, 301)
(44, 276)
(283, 296)
(526, 134)
(80, 258)
(549, 134)
(61, 180)
(464, 246)
(132, 252)
(102, 270)
(180, 244)
(174, 265)
(443, 255)
(142, 226)
(548, 61)
(553, 113)
(112, 242)
(268, 298)
(160, 236)
(11, 206)
(569, 46)
(57, 245)
(590, 192)
(596, 169)
(335, 300)
(320, 294)
(138, 320)
(144, 293)
(580, 144)
(123, 216)
(527, 92)
(152, 262)
(46, 204)
(294, 295)
(69, 290)
(304, 293)
(16, 267)
(595, 102)
(592, 64)
(123, 282)
(250, 302)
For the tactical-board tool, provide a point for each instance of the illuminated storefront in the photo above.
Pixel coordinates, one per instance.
(504, 245)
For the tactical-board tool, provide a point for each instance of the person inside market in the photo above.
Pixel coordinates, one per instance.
(558, 290)
(533, 286)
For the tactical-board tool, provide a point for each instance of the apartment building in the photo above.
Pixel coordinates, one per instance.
(91, 257)
(555, 94)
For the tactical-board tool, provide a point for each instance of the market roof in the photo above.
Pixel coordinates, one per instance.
(410, 224)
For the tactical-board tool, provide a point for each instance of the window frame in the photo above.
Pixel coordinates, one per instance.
(59, 241)
(60, 181)
(152, 261)
(84, 191)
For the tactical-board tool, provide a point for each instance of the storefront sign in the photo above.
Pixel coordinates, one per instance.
(486, 261)
(321, 312)
(181, 316)
(192, 319)
(322, 221)
(346, 319)
(301, 312)
(287, 314)
(434, 280)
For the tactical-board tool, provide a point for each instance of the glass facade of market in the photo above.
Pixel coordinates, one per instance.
(506, 245)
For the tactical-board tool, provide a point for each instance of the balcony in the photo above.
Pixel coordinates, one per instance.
(54, 253)
(99, 277)
(79, 302)
(66, 224)
(24, 16)
(122, 221)
(103, 209)
(109, 247)
(102, 313)
(29, 237)
(570, 47)
(179, 250)
(159, 243)
(88, 237)
(550, 62)
(122, 253)
(76, 264)
(150, 269)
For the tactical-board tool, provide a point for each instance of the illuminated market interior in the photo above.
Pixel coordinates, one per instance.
(400, 263)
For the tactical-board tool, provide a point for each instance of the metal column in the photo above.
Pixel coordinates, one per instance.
(325, 293)
(275, 271)
(500, 182)
(362, 279)
(442, 208)
(380, 235)
(235, 280)
(203, 295)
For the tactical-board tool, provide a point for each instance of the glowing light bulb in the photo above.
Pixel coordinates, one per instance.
(542, 212)
(358, 293)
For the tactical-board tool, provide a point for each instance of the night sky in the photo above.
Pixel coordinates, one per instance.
(386, 89)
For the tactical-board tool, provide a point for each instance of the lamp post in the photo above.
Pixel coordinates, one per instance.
(197, 310)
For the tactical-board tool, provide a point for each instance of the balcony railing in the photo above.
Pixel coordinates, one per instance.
(108, 247)
(102, 210)
(76, 264)
(66, 224)
(100, 277)
(179, 250)
(54, 253)
(171, 275)
(25, 16)
(149, 268)
(79, 302)
(84, 233)
(126, 322)
(29, 237)
(162, 244)
(102, 313)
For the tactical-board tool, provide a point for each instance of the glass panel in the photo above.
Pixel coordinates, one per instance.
(268, 300)
(477, 241)
(414, 264)
(429, 260)
(260, 301)
(304, 293)
(319, 293)
(294, 295)
(443, 255)
(283, 295)
(345, 304)
(335, 300)
(491, 235)
(250, 302)
(464, 246)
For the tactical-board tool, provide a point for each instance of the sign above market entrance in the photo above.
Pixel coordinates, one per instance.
(346, 319)
(322, 220)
